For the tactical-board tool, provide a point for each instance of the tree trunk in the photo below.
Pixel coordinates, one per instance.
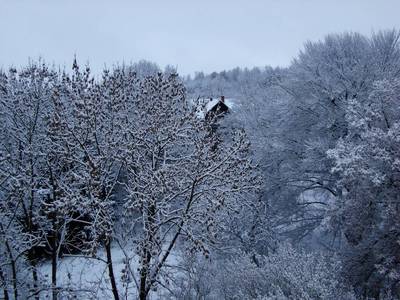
(35, 280)
(142, 293)
(5, 290)
(111, 270)
(144, 271)
(55, 241)
(54, 260)
(14, 274)
(143, 279)
(13, 267)
(6, 297)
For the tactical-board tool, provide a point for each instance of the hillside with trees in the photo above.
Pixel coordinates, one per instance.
(293, 193)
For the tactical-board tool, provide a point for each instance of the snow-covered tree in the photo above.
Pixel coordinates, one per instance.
(367, 160)
(24, 103)
(183, 182)
(285, 273)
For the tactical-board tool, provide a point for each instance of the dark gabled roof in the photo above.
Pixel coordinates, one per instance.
(216, 107)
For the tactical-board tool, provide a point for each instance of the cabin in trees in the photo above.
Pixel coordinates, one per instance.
(216, 108)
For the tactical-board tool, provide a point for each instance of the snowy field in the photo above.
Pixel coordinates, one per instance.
(89, 276)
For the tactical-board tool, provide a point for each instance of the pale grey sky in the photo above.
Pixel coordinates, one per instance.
(209, 35)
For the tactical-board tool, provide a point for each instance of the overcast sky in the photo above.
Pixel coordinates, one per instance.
(208, 35)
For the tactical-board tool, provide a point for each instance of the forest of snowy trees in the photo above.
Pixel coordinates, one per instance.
(114, 185)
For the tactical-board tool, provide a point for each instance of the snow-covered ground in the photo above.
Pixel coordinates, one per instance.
(90, 277)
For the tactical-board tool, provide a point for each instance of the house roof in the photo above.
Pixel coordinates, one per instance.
(210, 104)
(213, 102)
(229, 102)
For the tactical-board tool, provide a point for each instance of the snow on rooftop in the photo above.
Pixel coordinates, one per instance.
(230, 102)
(210, 104)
